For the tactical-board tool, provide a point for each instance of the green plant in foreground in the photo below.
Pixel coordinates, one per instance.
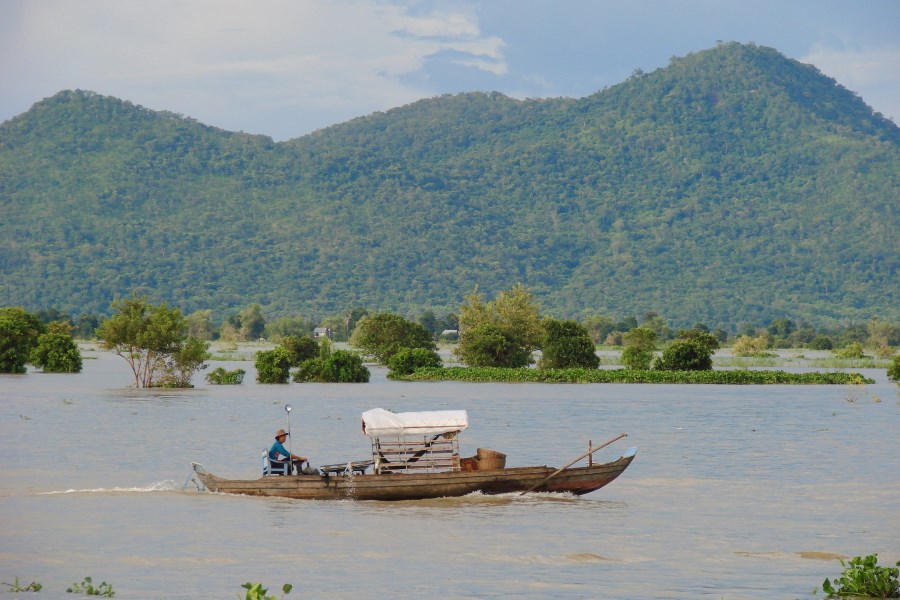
(255, 591)
(34, 586)
(864, 578)
(87, 588)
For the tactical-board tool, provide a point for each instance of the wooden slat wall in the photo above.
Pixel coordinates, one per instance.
(405, 455)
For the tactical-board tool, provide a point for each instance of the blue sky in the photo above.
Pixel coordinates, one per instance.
(284, 68)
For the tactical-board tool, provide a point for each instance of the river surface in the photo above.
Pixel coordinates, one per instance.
(736, 491)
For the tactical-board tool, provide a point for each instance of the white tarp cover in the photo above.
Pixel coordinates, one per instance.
(383, 423)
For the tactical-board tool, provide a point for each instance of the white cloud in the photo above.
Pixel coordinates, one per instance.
(286, 67)
(210, 58)
(873, 69)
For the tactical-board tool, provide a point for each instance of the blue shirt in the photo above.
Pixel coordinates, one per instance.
(276, 449)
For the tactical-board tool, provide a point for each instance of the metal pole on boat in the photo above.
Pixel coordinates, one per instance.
(560, 470)
(288, 408)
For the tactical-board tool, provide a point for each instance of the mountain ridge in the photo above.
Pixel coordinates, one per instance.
(732, 185)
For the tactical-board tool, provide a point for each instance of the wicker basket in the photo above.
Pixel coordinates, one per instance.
(489, 460)
(468, 464)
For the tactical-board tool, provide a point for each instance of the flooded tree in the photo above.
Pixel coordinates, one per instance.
(151, 339)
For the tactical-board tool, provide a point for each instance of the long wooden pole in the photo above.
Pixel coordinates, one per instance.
(561, 469)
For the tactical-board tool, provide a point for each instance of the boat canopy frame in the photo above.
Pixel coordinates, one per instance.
(414, 442)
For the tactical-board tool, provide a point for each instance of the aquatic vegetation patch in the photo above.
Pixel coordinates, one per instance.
(255, 591)
(88, 588)
(15, 586)
(730, 377)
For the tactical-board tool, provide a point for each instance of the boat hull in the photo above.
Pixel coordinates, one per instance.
(407, 486)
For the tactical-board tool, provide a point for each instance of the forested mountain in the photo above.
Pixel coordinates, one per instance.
(732, 185)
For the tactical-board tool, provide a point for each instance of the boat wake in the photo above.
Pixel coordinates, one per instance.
(160, 486)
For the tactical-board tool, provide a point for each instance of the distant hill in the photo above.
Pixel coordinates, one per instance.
(732, 185)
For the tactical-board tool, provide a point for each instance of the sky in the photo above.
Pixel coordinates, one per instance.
(285, 68)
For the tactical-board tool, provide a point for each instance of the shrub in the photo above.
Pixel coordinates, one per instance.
(685, 355)
(640, 344)
(863, 578)
(750, 346)
(56, 351)
(273, 366)
(408, 360)
(488, 345)
(636, 358)
(821, 342)
(338, 366)
(19, 331)
(852, 350)
(893, 371)
(220, 376)
(567, 344)
(300, 349)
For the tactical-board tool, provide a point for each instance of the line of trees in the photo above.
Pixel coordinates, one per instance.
(879, 336)
(164, 348)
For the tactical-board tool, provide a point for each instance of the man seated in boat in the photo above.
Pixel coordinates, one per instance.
(278, 453)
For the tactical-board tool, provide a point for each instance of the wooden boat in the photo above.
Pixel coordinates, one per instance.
(415, 456)
(417, 486)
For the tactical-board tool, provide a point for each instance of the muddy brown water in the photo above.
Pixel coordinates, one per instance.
(736, 491)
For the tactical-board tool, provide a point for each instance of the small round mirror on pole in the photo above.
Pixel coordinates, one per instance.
(288, 408)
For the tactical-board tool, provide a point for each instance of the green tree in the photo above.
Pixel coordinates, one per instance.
(352, 317)
(146, 336)
(384, 334)
(86, 326)
(273, 366)
(749, 346)
(429, 321)
(692, 351)
(53, 315)
(893, 371)
(283, 327)
(567, 344)
(56, 351)
(640, 344)
(489, 345)
(200, 325)
(821, 342)
(408, 360)
(184, 362)
(685, 355)
(883, 334)
(332, 366)
(704, 338)
(599, 327)
(652, 320)
(781, 328)
(220, 376)
(253, 324)
(19, 332)
(300, 349)
(853, 350)
(509, 328)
